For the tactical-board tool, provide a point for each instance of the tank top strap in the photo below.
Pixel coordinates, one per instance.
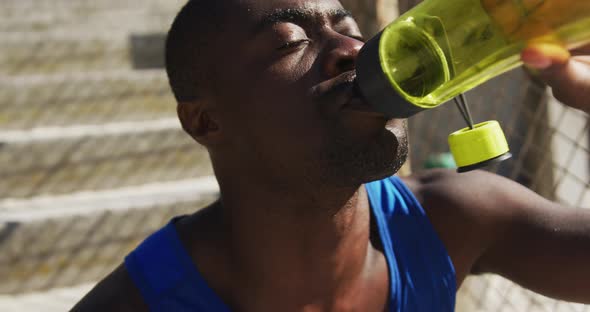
(422, 275)
(166, 276)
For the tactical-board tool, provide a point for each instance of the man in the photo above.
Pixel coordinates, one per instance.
(308, 218)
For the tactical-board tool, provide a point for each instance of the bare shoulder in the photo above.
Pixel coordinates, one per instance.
(442, 181)
(114, 293)
(477, 191)
(479, 199)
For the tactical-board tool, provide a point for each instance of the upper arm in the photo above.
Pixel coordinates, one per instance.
(545, 248)
(509, 230)
(115, 293)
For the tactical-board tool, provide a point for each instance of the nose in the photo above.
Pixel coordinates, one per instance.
(341, 53)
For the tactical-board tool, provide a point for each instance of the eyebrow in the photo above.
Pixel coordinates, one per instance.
(297, 15)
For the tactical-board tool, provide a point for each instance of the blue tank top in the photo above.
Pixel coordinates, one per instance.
(422, 276)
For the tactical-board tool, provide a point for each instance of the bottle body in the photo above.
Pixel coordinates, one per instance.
(441, 49)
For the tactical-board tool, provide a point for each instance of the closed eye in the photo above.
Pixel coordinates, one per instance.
(294, 44)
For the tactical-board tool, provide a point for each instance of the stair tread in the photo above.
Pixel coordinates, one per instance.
(91, 202)
(101, 162)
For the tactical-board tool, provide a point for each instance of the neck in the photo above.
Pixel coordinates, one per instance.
(310, 244)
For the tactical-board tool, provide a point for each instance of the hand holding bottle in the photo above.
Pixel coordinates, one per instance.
(568, 73)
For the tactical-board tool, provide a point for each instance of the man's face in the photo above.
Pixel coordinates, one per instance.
(285, 95)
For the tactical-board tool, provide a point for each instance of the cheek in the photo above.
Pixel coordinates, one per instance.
(281, 89)
(271, 101)
(289, 69)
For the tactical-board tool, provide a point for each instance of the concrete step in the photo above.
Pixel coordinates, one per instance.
(53, 300)
(139, 19)
(75, 53)
(44, 5)
(59, 241)
(72, 159)
(46, 10)
(78, 98)
(69, 53)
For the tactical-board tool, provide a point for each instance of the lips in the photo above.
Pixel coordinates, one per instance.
(342, 94)
(356, 100)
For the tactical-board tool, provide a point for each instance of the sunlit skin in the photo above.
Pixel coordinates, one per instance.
(292, 145)
(568, 72)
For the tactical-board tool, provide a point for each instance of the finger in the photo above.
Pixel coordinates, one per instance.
(585, 59)
(584, 50)
(544, 55)
(570, 82)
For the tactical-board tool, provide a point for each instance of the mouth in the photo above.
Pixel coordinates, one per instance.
(356, 100)
(342, 94)
(358, 103)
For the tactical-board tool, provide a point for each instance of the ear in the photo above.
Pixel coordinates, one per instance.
(199, 122)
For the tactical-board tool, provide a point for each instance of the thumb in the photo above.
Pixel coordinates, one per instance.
(569, 77)
(542, 56)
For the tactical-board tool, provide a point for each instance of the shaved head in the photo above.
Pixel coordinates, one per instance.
(189, 38)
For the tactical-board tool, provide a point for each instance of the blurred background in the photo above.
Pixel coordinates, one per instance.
(92, 157)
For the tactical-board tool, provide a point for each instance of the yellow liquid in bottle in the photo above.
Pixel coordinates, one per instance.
(444, 48)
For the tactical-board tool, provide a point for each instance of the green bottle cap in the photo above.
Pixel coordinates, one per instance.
(478, 147)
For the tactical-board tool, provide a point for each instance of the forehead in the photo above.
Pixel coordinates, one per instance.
(304, 4)
(257, 10)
